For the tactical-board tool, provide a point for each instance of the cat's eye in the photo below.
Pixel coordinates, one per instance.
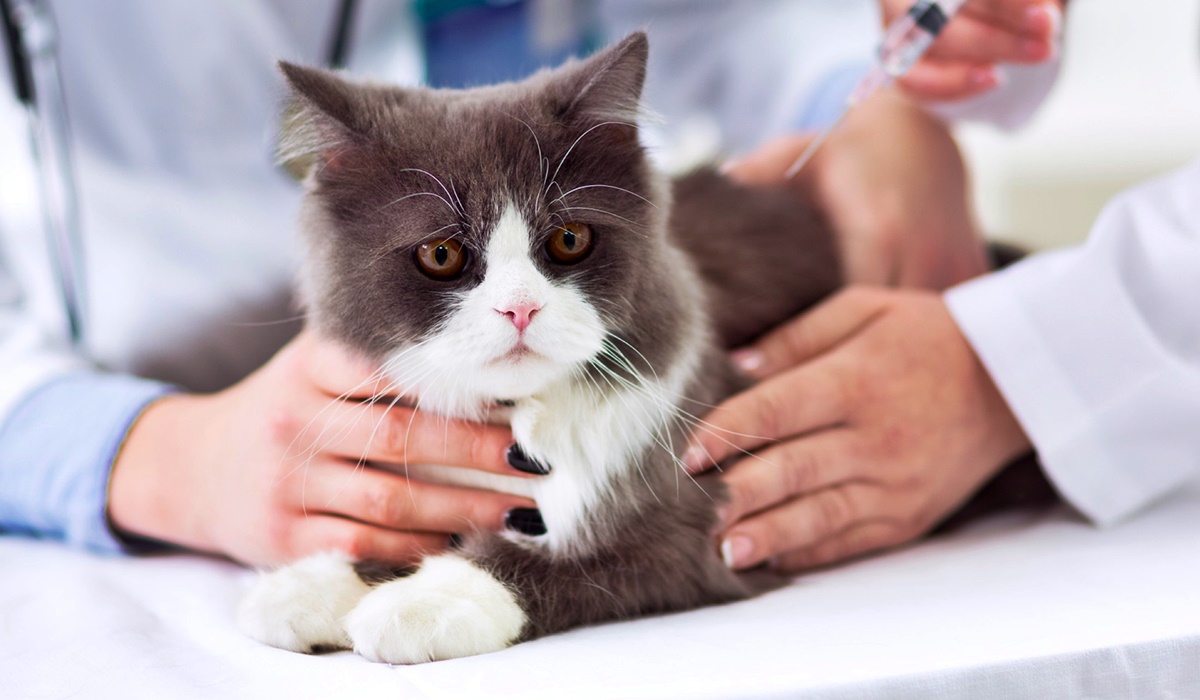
(570, 243)
(442, 260)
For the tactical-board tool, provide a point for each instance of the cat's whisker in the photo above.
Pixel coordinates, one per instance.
(635, 224)
(674, 412)
(564, 195)
(542, 171)
(441, 184)
(419, 194)
(680, 397)
(576, 143)
(653, 433)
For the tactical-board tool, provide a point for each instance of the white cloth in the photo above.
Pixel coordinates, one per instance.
(1097, 349)
(1027, 606)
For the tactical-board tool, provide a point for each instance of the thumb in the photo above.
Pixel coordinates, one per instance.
(813, 333)
(768, 164)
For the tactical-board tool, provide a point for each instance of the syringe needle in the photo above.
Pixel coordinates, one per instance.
(813, 146)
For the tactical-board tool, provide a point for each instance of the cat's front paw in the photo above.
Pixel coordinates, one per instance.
(448, 609)
(300, 606)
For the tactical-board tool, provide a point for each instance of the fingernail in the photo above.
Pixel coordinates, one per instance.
(1039, 17)
(527, 521)
(694, 459)
(983, 78)
(728, 166)
(747, 361)
(517, 459)
(736, 552)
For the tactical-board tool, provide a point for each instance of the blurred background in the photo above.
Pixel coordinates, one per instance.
(1126, 108)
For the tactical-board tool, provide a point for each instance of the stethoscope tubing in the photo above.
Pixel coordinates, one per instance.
(31, 36)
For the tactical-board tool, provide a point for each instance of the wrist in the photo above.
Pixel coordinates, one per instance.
(150, 495)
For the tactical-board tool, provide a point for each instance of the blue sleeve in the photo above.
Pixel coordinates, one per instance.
(828, 97)
(56, 452)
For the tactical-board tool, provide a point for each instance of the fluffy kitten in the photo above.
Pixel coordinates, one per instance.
(511, 246)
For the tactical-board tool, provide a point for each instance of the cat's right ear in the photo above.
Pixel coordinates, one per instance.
(325, 121)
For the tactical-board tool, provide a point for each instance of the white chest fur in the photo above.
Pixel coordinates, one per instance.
(590, 440)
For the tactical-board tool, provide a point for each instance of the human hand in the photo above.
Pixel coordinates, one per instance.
(961, 63)
(892, 184)
(272, 468)
(874, 421)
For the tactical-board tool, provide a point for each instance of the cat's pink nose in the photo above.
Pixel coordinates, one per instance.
(521, 314)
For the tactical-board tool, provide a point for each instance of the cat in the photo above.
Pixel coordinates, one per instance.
(510, 250)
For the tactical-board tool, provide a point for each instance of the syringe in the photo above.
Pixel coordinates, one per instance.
(903, 44)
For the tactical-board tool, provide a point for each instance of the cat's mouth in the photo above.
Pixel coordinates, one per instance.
(518, 353)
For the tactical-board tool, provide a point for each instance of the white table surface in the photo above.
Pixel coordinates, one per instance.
(1025, 605)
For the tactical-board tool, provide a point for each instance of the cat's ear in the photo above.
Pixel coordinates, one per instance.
(606, 86)
(326, 119)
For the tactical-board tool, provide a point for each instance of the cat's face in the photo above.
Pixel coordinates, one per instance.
(483, 244)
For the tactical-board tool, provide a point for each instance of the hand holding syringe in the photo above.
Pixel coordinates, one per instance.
(904, 42)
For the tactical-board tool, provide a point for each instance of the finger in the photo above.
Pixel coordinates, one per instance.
(377, 431)
(339, 371)
(363, 542)
(948, 81)
(857, 541)
(1035, 18)
(799, 523)
(811, 334)
(768, 164)
(805, 399)
(383, 499)
(974, 40)
(781, 472)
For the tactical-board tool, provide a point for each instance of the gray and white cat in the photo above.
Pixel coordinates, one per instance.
(510, 250)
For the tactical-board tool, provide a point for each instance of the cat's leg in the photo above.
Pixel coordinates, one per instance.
(300, 607)
(448, 609)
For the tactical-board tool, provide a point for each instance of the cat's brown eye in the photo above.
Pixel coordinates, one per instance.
(569, 244)
(442, 260)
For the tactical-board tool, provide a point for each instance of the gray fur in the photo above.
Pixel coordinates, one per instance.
(762, 256)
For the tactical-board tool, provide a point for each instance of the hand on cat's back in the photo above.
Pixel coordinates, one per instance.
(873, 420)
(282, 465)
(892, 184)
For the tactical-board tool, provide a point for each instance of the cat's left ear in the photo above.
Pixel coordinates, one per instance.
(606, 86)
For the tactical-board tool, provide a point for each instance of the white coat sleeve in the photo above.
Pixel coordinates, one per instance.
(1097, 349)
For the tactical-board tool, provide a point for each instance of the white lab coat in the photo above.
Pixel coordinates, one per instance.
(1097, 349)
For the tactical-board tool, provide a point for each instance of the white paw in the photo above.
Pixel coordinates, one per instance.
(448, 609)
(300, 606)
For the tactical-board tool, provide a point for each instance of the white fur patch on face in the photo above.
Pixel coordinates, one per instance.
(448, 609)
(300, 607)
(479, 355)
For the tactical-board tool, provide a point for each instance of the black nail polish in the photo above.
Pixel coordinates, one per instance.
(527, 521)
(517, 460)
